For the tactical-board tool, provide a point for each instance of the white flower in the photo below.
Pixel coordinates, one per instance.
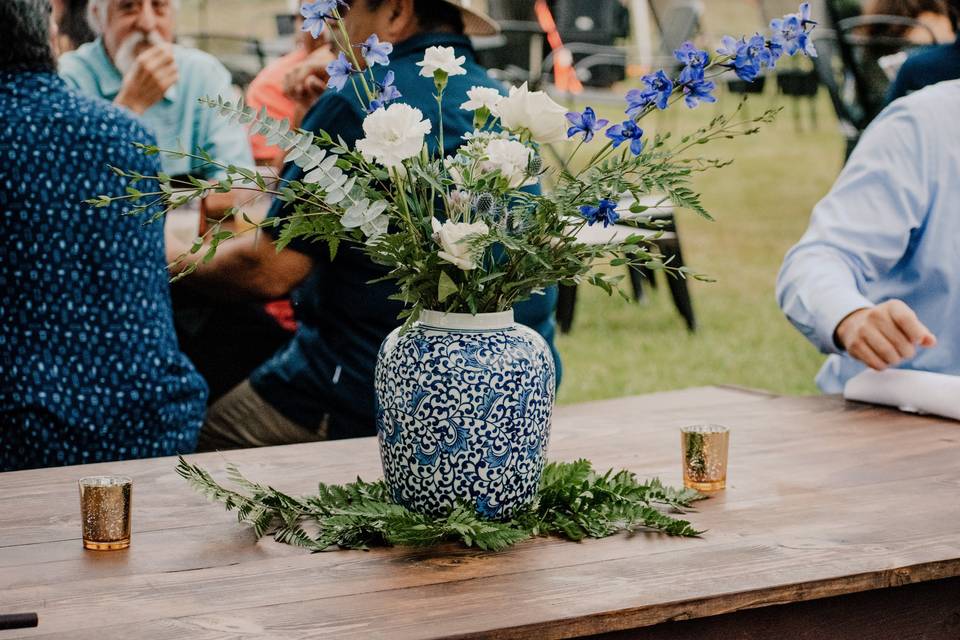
(534, 111)
(393, 135)
(441, 59)
(455, 240)
(481, 98)
(511, 158)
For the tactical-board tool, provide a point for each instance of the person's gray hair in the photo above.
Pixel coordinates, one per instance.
(97, 13)
(25, 31)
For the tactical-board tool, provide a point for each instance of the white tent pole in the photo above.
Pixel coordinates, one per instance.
(640, 18)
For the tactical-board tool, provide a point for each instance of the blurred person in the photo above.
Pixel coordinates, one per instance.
(89, 365)
(933, 15)
(267, 89)
(73, 30)
(930, 65)
(321, 385)
(134, 64)
(874, 280)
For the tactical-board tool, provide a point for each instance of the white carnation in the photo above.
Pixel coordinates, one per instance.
(512, 159)
(481, 98)
(441, 59)
(456, 242)
(534, 111)
(393, 135)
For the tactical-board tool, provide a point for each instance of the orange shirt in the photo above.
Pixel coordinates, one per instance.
(266, 90)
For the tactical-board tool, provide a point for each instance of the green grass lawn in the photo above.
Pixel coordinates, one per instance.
(761, 204)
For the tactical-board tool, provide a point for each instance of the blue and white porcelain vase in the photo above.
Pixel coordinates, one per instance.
(463, 412)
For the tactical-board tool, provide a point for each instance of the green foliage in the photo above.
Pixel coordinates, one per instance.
(573, 502)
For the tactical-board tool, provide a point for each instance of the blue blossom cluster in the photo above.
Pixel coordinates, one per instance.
(374, 52)
(746, 57)
(316, 14)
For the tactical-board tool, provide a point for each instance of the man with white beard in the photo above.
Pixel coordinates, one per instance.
(134, 64)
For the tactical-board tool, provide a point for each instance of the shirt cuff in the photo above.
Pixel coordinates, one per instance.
(834, 308)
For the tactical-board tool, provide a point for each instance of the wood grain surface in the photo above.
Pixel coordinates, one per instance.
(824, 499)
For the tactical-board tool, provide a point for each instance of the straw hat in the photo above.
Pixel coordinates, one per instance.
(476, 22)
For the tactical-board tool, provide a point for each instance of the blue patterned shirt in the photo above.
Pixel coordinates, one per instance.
(89, 365)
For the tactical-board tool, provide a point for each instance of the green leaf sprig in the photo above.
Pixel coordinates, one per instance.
(573, 502)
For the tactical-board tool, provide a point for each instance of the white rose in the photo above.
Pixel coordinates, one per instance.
(534, 111)
(455, 240)
(393, 135)
(512, 159)
(481, 98)
(441, 59)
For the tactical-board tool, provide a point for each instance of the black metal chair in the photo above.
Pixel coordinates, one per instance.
(662, 219)
(849, 65)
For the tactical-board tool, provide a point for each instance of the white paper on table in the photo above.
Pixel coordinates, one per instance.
(908, 390)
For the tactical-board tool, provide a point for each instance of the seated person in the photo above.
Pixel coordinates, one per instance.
(134, 64)
(936, 25)
(267, 89)
(929, 65)
(321, 385)
(89, 365)
(874, 281)
(73, 30)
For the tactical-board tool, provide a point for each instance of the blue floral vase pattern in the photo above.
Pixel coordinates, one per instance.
(463, 412)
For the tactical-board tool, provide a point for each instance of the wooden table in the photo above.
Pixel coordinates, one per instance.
(827, 501)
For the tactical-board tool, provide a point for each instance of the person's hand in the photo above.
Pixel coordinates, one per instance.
(153, 72)
(308, 80)
(884, 335)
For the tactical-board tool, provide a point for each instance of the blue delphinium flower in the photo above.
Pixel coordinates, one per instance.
(376, 52)
(690, 56)
(339, 71)
(696, 88)
(605, 212)
(790, 32)
(637, 101)
(585, 123)
(315, 15)
(386, 92)
(627, 130)
(748, 56)
(659, 89)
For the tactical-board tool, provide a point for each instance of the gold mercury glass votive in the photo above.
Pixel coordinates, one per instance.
(704, 450)
(105, 503)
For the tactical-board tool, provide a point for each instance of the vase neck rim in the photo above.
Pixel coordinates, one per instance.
(481, 321)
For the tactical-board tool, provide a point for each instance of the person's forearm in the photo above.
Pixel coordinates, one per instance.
(215, 205)
(816, 289)
(236, 271)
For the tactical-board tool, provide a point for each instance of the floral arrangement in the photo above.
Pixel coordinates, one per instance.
(472, 232)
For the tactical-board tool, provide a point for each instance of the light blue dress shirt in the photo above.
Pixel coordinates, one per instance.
(889, 229)
(178, 121)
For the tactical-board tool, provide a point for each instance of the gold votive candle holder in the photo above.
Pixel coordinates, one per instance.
(704, 448)
(105, 504)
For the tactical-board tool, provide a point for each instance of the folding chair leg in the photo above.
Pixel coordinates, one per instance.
(636, 282)
(648, 277)
(566, 302)
(678, 286)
